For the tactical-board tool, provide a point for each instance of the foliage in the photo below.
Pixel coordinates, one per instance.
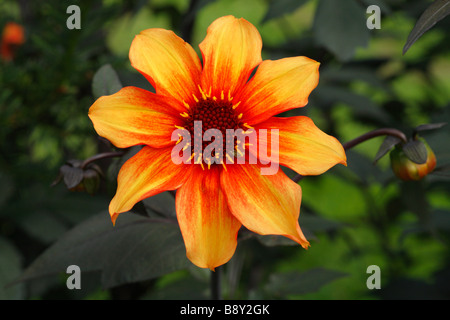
(355, 217)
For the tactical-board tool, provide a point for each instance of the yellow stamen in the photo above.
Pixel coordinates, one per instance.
(214, 98)
(246, 125)
(240, 116)
(224, 166)
(222, 95)
(199, 158)
(186, 146)
(195, 98)
(178, 127)
(186, 104)
(184, 115)
(236, 105)
(229, 96)
(203, 93)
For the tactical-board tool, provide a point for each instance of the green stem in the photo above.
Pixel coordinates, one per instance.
(367, 136)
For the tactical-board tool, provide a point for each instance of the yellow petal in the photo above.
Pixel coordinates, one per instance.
(149, 172)
(231, 50)
(278, 86)
(265, 204)
(135, 116)
(209, 229)
(168, 62)
(302, 146)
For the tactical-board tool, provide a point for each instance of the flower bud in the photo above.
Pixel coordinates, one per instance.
(13, 35)
(406, 169)
(79, 179)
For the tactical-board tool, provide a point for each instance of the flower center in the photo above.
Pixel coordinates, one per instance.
(219, 113)
(213, 114)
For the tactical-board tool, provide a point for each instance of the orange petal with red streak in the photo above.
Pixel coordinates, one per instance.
(265, 204)
(278, 86)
(149, 172)
(302, 146)
(231, 50)
(135, 116)
(168, 62)
(209, 229)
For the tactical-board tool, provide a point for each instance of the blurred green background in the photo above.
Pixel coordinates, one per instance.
(354, 217)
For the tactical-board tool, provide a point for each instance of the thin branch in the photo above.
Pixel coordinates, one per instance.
(373, 134)
(101, 156)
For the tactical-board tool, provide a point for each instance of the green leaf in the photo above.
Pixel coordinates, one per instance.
(10, 268)
(135, 249)
(388, 143)
(416, 151)
(437, 11)
(105, 82)
(42, 225)
(278, 8)
(429, 126)
(362, 106)
(281, 285)
(340, 26)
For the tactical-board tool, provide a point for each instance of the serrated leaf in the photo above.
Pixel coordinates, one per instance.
(437, 11)
(340, 26)
(105, 82)
(281, 285)
(416, 151)
(388, 143)
(278, 8)
(135, 249)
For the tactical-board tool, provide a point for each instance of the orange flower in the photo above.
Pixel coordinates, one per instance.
(214, 200)
(13, 36)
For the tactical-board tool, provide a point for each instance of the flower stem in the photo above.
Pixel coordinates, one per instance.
(375, 133)
(101, 156)
(367, 136)
(216, 278)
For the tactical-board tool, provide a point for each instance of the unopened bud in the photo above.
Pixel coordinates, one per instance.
(406, 169)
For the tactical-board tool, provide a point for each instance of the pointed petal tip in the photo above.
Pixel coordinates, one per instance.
(301, 240)
(114, 216)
